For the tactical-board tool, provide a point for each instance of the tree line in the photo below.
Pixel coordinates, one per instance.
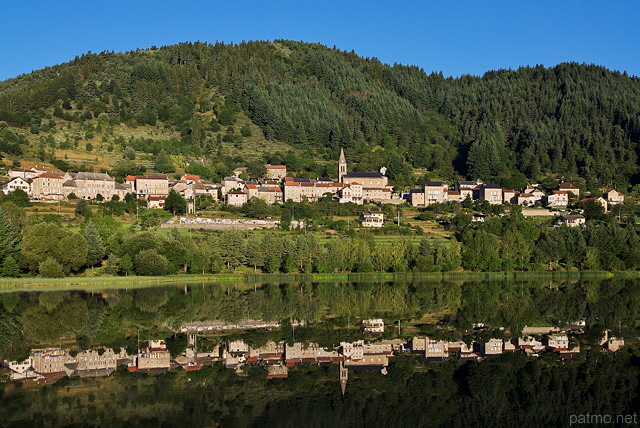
(507, 243)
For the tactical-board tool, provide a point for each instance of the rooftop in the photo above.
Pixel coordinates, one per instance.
(363, 175)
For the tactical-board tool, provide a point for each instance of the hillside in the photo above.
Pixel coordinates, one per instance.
(299, 103)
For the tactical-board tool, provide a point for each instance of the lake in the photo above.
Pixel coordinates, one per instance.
(275, 354)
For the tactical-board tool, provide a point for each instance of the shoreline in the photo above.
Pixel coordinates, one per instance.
(13, 284)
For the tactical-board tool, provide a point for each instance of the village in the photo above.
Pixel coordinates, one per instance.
(277, 358)
(276, 187)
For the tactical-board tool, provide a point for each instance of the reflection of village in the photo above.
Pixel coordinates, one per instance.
(279, 357)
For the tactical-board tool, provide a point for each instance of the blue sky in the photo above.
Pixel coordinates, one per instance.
(461, 37)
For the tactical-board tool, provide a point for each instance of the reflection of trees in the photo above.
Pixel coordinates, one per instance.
(108, 319)
(150, 299)
(68, 317)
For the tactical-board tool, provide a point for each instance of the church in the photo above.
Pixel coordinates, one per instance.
(368, 180)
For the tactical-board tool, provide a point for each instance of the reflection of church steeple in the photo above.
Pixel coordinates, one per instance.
(344, 375)
(342, 166)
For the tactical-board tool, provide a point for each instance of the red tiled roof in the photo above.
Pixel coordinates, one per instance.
(275, 166)
(49, 175)
(567, 186)
(560, 192)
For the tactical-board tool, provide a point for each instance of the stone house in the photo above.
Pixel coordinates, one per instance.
(469, 188)
(435, 349)
(558, 198)
(453, 196)
(602, 201)
(492, 347)
(270, 194)
(351, 193)
(277, 371)
(568, 187)
(92, 360)
(491, 193)
(276, 172)
(237, 198)
(311, 350)
(48, 186)
(510, 196)
(155, 357)
(435, 192)
(557, 341)
(525, 199)
(87, 185)
(152, 184)
(50, 361)
(613, 196)
(376, 193)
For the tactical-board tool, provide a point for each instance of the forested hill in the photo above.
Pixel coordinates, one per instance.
(577, 121)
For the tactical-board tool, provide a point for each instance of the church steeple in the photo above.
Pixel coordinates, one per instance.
(342, 166)
(344, 375)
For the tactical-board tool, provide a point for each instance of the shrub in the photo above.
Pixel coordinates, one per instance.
(150, 263)
(50, 268)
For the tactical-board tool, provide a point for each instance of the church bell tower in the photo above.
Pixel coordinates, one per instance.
(342, 166)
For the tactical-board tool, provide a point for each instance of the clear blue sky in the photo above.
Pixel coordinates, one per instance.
(457, 37)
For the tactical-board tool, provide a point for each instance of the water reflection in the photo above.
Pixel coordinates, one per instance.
(322, 313)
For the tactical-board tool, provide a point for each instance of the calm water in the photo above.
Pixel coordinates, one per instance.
(322, 313)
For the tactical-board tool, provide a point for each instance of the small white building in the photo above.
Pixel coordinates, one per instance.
(372, 219)
(572, 220)
(373, 326)
(16, 183)
(558, 341)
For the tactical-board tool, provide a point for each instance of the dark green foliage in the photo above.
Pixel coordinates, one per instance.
(177, 344)
(175, 203)
(48, 240)
(18, 197)
(82, 208)
(50, 268)
(245, 131)
(163, 163)
(9, 267)
(9, 239)
(573, 120)
(95, 247)
(150, 263)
